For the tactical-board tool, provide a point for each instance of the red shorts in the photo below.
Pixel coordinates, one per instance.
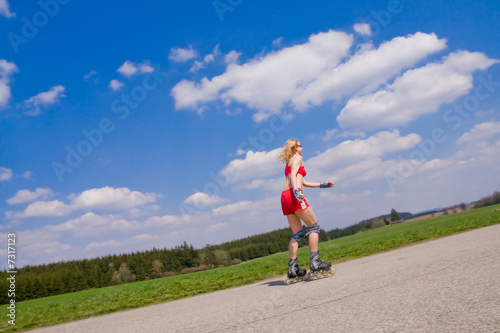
(290, 204)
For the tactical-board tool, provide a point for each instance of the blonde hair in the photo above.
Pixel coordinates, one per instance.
(288, 150)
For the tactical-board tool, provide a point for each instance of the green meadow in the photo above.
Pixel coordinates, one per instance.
(69, 307)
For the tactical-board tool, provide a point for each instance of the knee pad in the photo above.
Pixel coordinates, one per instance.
(298, 236)
(313, 228)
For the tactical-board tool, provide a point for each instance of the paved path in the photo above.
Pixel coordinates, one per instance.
(447, 285)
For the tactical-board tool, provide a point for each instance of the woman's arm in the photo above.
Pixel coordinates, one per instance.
(325, 184)
(309, 184)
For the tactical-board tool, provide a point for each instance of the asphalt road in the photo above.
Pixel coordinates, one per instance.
(447, 285)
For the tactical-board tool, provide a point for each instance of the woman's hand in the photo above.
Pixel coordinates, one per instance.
(298, 195)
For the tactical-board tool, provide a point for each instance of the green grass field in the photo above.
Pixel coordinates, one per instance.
(69, 307)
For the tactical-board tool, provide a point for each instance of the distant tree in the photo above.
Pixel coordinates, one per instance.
(377, 223)
(394, 215)
(488, 201)
(207, 257)
(123, 275)
(156, 269)
(222, 258)
(323, 236)
(235, 262)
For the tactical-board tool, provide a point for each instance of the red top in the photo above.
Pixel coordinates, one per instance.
(301, 171)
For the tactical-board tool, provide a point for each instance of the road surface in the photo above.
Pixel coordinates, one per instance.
(446, 285)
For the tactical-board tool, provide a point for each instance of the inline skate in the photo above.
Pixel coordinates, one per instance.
(319, 268)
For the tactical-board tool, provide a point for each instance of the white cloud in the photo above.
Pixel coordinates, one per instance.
(417, 92)
(4, 9)
(12, 225)
(362, 171)
(363, 29)
(245, 213)
(162, 221)
(102, 245)
(351, 152)
(5, 174)
(182, 55)
(232, 57)
(435, 164)
(206, 60)
(143, 210)
(116, 84)
(266, 83)
(368, 68)
(144, 237)
(481, 132)
(476, 150)
(277, 42)
(130, 68)
(106, 198)
(89, 75)
(308, 74)
(237, 207)
(146, 67)
(41, 246)
(45, 209)
(91, 224)
(110, 198)
(329, 134)
(46, 98)
(218, 226)
(196, 66)
(24, 196)
(6, 71)
(254, 165)
(200, 199)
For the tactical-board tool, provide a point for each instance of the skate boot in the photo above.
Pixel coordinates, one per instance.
(294, 270)
(318, 267)
(295, 273)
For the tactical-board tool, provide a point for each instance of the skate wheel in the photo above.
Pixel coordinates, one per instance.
(325, 273)
(332, 271)
(288, 282)
(317, 274)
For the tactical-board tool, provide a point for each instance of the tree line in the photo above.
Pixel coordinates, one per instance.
(489, 200)
(64, 277)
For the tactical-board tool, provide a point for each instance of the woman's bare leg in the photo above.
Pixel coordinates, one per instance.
(296, 226)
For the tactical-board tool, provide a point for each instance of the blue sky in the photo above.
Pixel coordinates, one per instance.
(127, 126)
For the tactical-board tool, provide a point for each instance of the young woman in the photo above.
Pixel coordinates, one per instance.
(296, 209)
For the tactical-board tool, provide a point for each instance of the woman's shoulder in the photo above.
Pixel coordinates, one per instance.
(295, 159)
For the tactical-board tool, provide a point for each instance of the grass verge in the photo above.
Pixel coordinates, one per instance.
(69, 307)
